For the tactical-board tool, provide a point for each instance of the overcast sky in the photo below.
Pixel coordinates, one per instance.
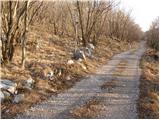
(143, 11)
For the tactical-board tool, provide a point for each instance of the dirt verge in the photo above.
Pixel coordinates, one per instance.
(148, 103)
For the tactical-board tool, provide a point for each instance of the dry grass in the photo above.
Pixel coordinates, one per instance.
(149, 87)
(87, 111)
(119, 71)
(109, 85)
(52, 53)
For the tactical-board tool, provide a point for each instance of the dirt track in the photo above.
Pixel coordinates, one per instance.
(118, 100)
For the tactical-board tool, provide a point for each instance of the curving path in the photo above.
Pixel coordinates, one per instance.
(118, 102)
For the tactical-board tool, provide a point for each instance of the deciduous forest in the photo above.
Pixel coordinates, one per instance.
(50, 47)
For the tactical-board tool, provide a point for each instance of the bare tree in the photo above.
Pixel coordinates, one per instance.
(84, 21)
(12, 14)
(153, 34)
(15, 21)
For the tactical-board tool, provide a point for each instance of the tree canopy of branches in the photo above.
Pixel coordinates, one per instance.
(84, 21)
(89, 20)
(16, 17)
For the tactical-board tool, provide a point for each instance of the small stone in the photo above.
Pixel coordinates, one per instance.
(8, 85)
(7, 111)
(68, 77)
(7, 82)
(28, 84)
(80, 60)
(50, 74)
(70, 62)
(37, 47)
(91, 46)
(88, 52)
(30, 81)
(16, 92)
(53, 90)
(2, 96)
(18, 98)
(79, 54)
(6, 94)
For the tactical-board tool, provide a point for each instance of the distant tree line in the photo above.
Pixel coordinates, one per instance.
(152, 35)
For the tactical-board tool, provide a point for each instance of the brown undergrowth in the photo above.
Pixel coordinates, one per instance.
(119, 71)
(89, 110)
(109, 84)
(47, 51)
(148, 103)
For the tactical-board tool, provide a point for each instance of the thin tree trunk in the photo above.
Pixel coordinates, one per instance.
(24, 37)
(81, 24)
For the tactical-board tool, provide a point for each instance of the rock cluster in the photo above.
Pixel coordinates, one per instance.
(80, 54)
(9, 89)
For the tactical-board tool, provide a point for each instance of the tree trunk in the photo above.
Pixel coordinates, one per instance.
(81, 24)
(24, 37)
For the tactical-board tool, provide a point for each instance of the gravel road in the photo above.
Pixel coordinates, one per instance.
(119, 101)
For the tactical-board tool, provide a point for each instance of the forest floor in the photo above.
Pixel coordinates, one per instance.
(111, 93)
(46, 51)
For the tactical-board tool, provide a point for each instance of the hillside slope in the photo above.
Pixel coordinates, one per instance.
(47, 52)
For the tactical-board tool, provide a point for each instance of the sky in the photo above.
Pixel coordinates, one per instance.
(143, 11)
